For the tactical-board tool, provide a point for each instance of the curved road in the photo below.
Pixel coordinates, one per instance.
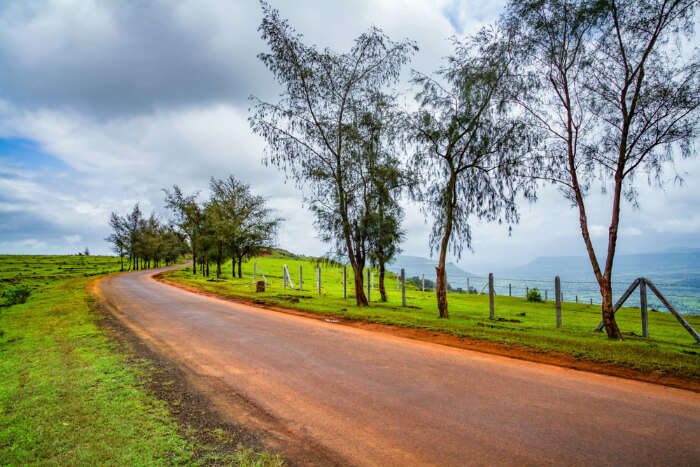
(374, 399)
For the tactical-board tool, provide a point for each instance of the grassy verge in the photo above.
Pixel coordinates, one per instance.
(669, 350)
(72, 395)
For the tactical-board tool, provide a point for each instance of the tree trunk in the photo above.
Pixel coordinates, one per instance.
(382, 290)
(360, 297)
(240, 273)
(194, 262)
(218, 262)
(233, 267)
(121, 261)
(441, 280)
(207, 267)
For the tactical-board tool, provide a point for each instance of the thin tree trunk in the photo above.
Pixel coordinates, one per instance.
(360, 297)
(233, 267)
(240, 273)
(218, 262)
(382, 290)
(207, 267)
(441, 279)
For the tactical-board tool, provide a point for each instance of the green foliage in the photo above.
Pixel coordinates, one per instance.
(16, 294)
(69, 395)
(534, 296)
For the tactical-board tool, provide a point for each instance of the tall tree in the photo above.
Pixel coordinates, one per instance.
(118, 238)
(382, 180)
(307, 130)
(469, 145)
(614, 99)
(189, 217)
(244, 225)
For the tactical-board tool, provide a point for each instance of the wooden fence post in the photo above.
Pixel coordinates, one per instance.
(301, 278)
(557, 297)
(673, 311)
(397, 282)
(492, 314)
(576, 298)
(284, 276)
(345, 284)
(403, 286)
(510, 290)
(545, 295)
(318, 279)
(369, 289)
(527, 291)
(423, 283)
(643, 307)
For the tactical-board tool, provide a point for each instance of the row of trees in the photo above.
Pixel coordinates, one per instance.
(569, 92)
(233, 223)
(144, 241)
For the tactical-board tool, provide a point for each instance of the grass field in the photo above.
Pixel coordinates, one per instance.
(70, 394)
(669, 349)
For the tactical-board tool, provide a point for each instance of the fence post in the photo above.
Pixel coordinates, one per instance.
(545, 295)
(576, 298)
(284, 276)
(345, 285)
(301, 278)
(397, 282)
(403, 286)
(369, 289)
(492, 314)
(318, 279)
(510, 290)
(643, 307)
(527, 290)
(591, 301)
(557, 298)
(423, 283)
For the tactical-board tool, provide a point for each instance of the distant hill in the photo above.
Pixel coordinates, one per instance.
(677, 265)
(416, 266)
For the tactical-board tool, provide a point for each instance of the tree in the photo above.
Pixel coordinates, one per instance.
(242, 223)
(469, 145)
(118, 238)
(307, 130)
(382, 181)
(189, 218)
(614, 100)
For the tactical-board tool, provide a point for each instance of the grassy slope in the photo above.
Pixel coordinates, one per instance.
(68, 395)
(669, 349)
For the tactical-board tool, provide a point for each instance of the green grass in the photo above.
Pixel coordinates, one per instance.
(669, 349)
(69, 394)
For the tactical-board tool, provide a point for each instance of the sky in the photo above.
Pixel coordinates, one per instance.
(104, 104)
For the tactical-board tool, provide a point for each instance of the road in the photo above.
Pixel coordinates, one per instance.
(375, 399)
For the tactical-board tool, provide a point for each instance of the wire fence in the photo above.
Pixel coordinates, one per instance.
(686, 298)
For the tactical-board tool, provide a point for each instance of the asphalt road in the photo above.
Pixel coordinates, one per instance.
(376, 399)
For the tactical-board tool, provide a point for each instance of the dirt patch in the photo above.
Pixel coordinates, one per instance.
(212, 429)
(560, 359)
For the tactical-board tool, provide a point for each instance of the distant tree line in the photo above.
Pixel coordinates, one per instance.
(144, 241)
(233, 223)
(568, 92)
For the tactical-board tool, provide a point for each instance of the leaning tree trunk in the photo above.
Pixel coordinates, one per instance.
(611, 327)
(382, 290)
(360, 297)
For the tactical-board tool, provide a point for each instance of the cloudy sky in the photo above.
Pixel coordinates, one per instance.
(103, 103)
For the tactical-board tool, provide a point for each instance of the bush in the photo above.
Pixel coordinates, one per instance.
(534, 295)
(17, 294)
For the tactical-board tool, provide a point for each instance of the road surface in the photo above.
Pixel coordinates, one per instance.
(374, 399)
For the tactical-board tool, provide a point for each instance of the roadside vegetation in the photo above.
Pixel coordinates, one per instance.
(532, 324)
(72, 395)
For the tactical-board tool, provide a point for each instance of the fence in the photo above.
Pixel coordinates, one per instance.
(558, 290)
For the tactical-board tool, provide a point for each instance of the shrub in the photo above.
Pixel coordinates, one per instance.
(17, 294)
(534, 295)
